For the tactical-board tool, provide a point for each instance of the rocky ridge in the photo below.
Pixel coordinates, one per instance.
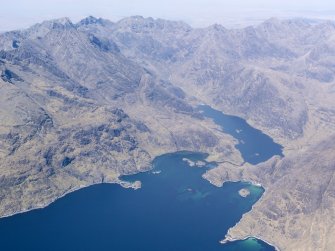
(75, 111)
(88, 102)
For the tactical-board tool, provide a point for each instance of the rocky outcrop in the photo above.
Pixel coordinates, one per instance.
(75, 111)
(297, 209)
(85, 103)
(256, 72)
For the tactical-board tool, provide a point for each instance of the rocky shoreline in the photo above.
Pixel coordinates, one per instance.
(127, 185)
(137, 185)
(230, 239)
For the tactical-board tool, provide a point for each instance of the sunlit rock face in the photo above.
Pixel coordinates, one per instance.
(85, 103)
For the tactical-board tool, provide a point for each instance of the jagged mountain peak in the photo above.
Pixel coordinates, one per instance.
(13, 39)
(140, 23)
(63, 22)
(272, 20)
(271, 23)
(41, 29)
(276, 23)
(61, 84)
(90, 20)
(217, 27)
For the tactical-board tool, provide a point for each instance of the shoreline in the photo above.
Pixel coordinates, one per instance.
(124, 184)
(228, 239)
(244, 192)
(251, 182)
(137, 185)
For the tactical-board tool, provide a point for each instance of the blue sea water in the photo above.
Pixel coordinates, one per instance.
(254, 145)
(175, 210)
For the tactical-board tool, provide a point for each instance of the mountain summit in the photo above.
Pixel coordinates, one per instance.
(89, 102)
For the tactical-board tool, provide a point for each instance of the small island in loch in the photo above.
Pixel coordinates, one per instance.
(244, 192)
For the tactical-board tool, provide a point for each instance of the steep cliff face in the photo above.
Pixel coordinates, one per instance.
(264, 74)
(278, 76)
(75, 111)
(85, 103)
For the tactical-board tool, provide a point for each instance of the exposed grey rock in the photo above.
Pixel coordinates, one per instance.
(9, 76)
(85, 103)
(297, 210)
(65, 98)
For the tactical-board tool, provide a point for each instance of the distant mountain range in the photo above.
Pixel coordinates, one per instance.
(85, 103)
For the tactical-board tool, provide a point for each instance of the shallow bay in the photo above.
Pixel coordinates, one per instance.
(175, 210)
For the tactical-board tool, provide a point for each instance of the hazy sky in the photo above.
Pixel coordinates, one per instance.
(22, 13)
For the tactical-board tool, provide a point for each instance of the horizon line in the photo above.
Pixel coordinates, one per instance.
(257, 21)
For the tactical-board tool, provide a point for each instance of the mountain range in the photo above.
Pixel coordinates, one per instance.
(87, 102)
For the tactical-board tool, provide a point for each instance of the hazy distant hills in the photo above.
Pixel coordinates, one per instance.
(85, 103)
(76, 111)
(273, 63)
